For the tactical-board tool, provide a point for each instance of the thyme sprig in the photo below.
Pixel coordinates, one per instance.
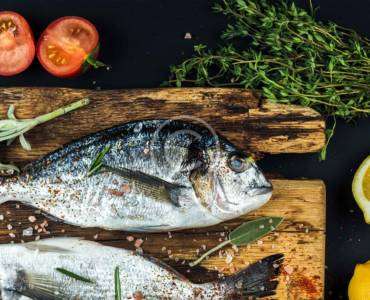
(281, 50)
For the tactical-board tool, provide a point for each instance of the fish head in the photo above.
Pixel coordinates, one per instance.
(231, 185)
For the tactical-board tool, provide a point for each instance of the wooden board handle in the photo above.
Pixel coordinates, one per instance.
(236, 113)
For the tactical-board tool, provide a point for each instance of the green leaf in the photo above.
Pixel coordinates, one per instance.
(117, 285)
(278, 48)
(97, 163)
(251, 231)
(329, 134)
(24, 143)
(245, 234)
(8, 168)
(92, 61)
(73, 275)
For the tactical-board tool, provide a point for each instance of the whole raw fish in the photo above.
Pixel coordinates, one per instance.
(157, 176)
(37, 270)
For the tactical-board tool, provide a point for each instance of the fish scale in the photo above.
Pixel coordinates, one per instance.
(157, 176)
(30, 270)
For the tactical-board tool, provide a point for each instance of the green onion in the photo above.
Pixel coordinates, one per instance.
(244, 234)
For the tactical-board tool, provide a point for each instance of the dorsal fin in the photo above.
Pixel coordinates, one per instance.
(58, 245)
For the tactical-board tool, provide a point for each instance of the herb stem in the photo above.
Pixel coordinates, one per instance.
(209, 252)
(61, 111)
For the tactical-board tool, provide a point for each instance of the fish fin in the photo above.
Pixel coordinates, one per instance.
(149, 185)
(42, 287)
(45, 248)
(12, 295)
(257, 280)
(57, 245)
(149, 228)
(35, 286)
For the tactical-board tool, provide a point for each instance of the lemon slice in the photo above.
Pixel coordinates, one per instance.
(361, 188)
(359, 286)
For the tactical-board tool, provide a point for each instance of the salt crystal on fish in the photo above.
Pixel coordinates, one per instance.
(229, 258)
(139, 250)
(28, 231)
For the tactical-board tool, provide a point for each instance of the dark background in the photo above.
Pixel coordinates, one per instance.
(142, 38)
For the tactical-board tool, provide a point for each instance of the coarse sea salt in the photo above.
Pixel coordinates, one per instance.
(28, 231)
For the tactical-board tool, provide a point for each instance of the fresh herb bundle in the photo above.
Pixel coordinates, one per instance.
(281, 50)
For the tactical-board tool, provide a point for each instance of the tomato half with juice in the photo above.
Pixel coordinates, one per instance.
(17, 45)
(68, 46)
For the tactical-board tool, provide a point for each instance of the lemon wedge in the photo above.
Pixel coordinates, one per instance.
(361, 188)
(359, 286)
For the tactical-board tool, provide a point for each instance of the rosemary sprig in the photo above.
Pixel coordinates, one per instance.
(117, 284)
(73, 275)
(12, 128)
(97, 163)
(8, 169)
(281, 50)
(244, 234)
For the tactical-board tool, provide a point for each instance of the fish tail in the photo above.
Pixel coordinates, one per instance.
(256, 281)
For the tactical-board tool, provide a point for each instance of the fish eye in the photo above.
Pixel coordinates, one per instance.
(237, 164)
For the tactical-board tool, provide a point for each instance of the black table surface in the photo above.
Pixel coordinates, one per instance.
(142, 38)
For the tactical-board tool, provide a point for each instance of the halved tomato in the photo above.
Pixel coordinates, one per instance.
(68, 46)
(17, 46)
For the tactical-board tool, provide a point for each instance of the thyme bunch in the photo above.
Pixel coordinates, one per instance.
(283, 51)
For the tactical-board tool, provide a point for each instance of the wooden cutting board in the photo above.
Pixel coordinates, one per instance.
(250, 123)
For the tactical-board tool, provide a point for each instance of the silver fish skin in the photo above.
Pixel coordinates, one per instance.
(160, 176)
(30, 270)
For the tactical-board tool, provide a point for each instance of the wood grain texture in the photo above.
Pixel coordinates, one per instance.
(235, 113)
(301, 238)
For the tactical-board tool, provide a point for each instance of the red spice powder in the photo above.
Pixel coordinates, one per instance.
(306, 284)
